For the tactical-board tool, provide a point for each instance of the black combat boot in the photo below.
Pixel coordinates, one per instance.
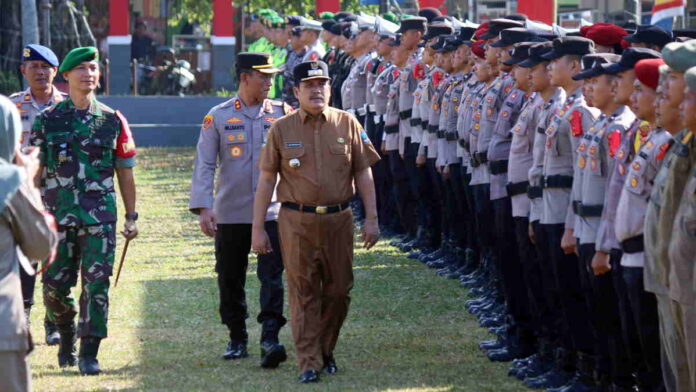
(67, 353)
(89, 347)
(52, 335)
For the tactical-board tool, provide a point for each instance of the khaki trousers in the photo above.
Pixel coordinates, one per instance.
(318, 257)
(685, 323)
(675, 369)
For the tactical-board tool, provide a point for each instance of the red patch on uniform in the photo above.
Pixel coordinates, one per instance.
(663, 151)
(237, 104)
(368, 66)
(614, 139)
(437, 78)
(125, 145)
(419, 71)
(576, 123)
(395, 73)
(380, 69)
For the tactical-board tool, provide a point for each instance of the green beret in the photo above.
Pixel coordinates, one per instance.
(680, 56)
(326, 15)
(690, 78)
(390, 16)
(77, 56)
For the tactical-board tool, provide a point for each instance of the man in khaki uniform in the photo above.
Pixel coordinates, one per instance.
(682, 276)
(319, 152)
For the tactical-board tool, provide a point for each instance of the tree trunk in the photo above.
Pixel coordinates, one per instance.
(30, 23)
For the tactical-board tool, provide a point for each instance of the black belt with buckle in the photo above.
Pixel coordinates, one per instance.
(415, 122)
(464, 144)
(498, 167)
(557, 181)
(440, 134)
(481, 157)
(451, 136)
(424, 125)
(633, 244)
(516, 188)
(432, 128)
(321, 210)
(405, 114)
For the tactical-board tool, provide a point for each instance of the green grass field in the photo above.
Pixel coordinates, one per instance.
(407, 329)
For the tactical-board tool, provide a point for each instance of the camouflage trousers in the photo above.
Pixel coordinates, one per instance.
(90, 251)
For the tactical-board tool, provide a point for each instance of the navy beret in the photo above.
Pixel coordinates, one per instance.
(38, 52)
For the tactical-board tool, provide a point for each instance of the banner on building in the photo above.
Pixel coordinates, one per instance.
(541, 10)
(666, 9)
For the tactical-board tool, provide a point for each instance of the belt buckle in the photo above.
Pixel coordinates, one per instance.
(321, 210)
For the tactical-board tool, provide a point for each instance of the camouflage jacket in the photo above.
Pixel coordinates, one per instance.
(80, 150)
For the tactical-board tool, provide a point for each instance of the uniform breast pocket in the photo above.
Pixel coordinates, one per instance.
(58, 149)
(292, 156)
(101, 148)
(236, 144)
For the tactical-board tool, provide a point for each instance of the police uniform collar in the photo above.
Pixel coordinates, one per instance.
(304, 115)
(56, 97)
(94, 107)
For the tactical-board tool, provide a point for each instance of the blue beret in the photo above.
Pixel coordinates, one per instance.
(38, 52)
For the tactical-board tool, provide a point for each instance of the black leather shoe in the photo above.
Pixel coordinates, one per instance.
(330, 365)
(89, 348)
(235, 350)
(52, 334)
(552, 379)
(507, 354)
(272, 354)
(309, 376)
(496, 344)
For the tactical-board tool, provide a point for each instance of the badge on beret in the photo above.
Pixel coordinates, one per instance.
(207, 121)
(234, 120)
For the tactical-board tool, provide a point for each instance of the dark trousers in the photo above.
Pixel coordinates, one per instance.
(612, 357)
(434, 204)
(510, 268)
(482, 206)
(553, 325)
(576, 319)
(28, 283)
(386, 204)
(531, 273)
(418, 181)
(458, 209)
(405, 203)
(644, 307)
(232, 246)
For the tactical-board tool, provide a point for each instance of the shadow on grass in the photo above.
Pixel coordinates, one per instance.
(402, 334)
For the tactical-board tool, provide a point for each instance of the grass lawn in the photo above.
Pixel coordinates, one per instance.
(407, 329)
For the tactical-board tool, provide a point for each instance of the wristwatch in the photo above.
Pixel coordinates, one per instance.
(132, 216)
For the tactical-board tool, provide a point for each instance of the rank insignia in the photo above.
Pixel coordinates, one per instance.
(27, 98)
(207, 121)
(234, 120)
(237, 104)
(269, 119)
(236, 151)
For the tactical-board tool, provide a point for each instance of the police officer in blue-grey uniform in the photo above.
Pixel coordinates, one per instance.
(39, 67)
(232, 136)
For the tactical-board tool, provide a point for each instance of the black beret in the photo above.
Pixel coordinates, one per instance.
(415, 23)
(438, 30)
(429, 13)
(328, 24)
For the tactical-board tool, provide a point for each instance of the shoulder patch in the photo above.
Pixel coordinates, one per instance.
(208, 121)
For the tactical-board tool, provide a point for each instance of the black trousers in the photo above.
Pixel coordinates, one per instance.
(418, 181)
(553, 325)
(482, 206)
(232, 246)
(28, 283)
(644, 307)
(508, 261)
(386, 201)
(459, 212)
(613, 362)
(406, 204)
(531, 273)
(434, 204)
(576, 319)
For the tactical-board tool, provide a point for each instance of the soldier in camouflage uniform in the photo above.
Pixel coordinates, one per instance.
(39, 67)
(82, 143)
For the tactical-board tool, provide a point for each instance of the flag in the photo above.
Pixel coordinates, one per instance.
(538, 10)
(666, 9)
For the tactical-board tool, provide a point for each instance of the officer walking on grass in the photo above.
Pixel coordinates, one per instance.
(232, 136)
